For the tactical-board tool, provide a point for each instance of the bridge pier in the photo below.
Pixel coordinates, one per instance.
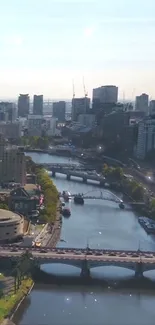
(53, 173)
(68, 177)
(85, 271)
(85, 180)
(102, 183)
(139, 270)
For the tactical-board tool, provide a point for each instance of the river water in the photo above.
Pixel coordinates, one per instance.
(101, 224)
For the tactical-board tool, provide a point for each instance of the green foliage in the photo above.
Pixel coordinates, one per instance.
(4, 206)
(114, 174)
(30, 165)
(7, 303)
(50, 195)
(35, 142)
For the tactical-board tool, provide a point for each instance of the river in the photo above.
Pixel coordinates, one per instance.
(100, 224)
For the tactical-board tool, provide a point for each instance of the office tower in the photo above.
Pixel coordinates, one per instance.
(106, 94)
(142, 103)
(38, 105)
(23, 105)
(59, 111)
(80, 106)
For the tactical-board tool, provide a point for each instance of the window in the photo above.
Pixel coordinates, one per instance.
(7, 233)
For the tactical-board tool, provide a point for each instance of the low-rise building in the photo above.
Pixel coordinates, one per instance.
(25, 200)
(35, 124)
(11, 226)
(88, 120)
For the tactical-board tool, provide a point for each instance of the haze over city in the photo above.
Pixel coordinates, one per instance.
(46, 44)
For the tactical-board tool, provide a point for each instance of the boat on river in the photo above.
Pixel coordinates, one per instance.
(66, 212)
(66, 196)
(78, 199)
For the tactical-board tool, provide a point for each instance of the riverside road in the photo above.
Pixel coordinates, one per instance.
(103, 225)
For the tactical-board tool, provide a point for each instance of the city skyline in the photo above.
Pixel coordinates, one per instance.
(46, 44)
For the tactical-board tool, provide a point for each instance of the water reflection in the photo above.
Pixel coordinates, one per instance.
(99, 224)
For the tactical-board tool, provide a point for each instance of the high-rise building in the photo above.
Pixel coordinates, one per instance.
(106, 94)
(23, 105)
(7, 112)
(146, 137)
(80, 106)
(152, 107)
(12, 164)
(59, 111)
(38, 105)
(142, 103)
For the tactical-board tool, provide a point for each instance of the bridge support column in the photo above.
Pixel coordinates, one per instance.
(53, 173)
(85, 272)
(84, 180)
(68, 177)
(139, 270)
(102, 183)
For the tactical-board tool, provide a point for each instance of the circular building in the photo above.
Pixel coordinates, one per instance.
(11, 226)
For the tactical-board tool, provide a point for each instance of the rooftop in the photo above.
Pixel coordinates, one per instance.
(31, 189)
(8, 216)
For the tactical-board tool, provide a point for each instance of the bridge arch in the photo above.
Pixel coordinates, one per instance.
(73, 263)
(128, 266)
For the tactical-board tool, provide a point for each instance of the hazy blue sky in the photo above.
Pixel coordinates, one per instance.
(44, 44)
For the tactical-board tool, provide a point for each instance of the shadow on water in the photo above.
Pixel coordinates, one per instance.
(22, 310)
(131, 282)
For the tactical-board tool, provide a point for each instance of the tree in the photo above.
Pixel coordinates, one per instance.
(4, 206)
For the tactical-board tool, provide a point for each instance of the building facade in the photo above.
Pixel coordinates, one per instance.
(38, 105)
(59, 111)
(23, 105)
(12, 165)
(146, 138)
(80, 106)
(106, 94)
(35, 125)
(142, 103)
(152, 107)
(88, 120)
(7, 112)
(11, 130)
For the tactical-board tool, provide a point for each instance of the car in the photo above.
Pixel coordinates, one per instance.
(98, 254)
(89, 253)
(149, 256)
(135, 255)
(78, 253)
(43, 251)
(59, 252)
(122, 255)
(112, 254)
(14, 249)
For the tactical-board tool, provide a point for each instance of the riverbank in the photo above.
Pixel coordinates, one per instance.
(10, 303)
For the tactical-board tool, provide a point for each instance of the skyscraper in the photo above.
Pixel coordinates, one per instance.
(142, 103)
(23, 105)
(59, 110)
(38, 105)
(106, 94)
(80, 106)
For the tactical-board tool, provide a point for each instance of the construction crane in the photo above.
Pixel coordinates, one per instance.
(73, 89)
(85, 92)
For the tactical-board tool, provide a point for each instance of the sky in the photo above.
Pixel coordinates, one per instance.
(45, 44)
